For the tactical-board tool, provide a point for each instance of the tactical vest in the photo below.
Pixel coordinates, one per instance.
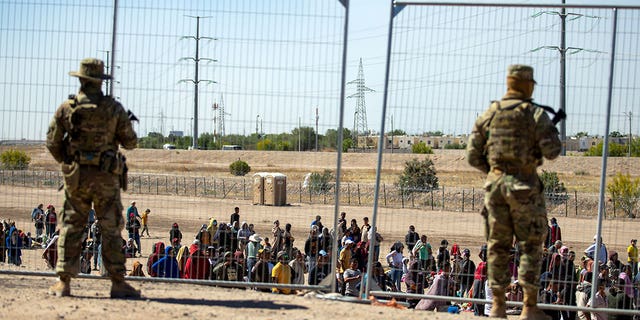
(92, 128)
(511, 138)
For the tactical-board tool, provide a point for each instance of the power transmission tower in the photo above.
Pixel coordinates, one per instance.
(360, 116)
(218, 118)
(563, 50)
(196, 80)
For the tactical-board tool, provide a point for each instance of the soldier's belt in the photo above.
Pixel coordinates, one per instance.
(89, 158)
(513, 170)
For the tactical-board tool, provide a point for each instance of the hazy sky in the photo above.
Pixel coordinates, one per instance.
(277, 61)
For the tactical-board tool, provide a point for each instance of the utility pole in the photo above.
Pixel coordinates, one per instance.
(257, 122)
(196, 80)
(317, 117)
(563, 49)
(299, 141)
(106, 67)
(630, 115)
(392, 133)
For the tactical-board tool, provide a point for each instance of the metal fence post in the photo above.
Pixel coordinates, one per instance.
(431, 199)
(462, 200)
(384, 193)
(473, 199)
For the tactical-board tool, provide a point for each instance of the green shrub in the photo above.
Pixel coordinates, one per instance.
(265, 145)
(615, 150)
(418, 176)
(421, 148)
(454, 146)
(625, 192)
(551, 182)
(321, 183)
(554, 190)
(13, 159)
(239, 168)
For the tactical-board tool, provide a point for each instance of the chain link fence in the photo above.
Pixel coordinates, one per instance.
(445, 198)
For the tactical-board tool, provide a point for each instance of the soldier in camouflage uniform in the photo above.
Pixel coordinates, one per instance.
(508, 142)
(84, 137)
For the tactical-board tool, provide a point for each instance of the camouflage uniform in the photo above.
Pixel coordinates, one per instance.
(508, 143)
(84, 137)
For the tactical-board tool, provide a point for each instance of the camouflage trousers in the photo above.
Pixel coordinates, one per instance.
(516, 209)
(101, 189)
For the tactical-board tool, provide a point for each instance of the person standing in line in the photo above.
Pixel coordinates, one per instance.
(632, 257)
(281, 273)
(365, 229)
(50, 221)
(37, 210)
(84, 137)
(133, 228)
(132, 212)
(411, 238)
(235, 216)
(145, 219)
(394, 260)
(96, 236)
(39, 225)
(508, 142)
(175, 233)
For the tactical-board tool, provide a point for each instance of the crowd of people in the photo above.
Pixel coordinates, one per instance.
(233, 251)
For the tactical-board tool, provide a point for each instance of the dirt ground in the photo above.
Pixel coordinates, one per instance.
(26, 295)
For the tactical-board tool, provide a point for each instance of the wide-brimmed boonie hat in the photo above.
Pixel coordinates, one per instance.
(91, 69)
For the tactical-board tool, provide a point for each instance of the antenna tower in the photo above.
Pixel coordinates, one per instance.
(360, 116)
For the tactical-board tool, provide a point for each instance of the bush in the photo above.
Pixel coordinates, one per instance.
(421, 148)
(615, 150)
(625, 192)
(554, 190)
(239, 168)
(455, 145)
(551, 182)
(321, 183)
(265, 145)
(13, 159)
(418, 176)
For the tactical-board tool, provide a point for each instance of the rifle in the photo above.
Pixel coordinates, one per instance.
(557, 115)
(132, 117)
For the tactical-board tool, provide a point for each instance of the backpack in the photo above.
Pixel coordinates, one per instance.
(92, 127)
(511, 134)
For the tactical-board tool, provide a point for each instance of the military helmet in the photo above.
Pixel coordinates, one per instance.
(91, 69)
(521, 72)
